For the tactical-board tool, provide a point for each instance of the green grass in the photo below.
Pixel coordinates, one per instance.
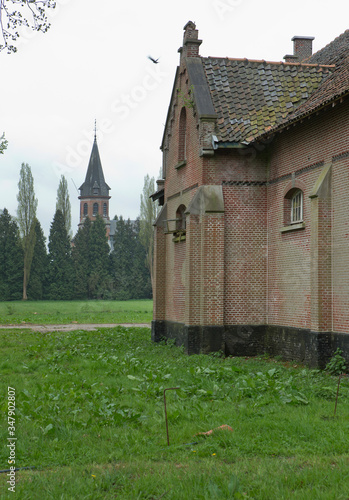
(63, 312)
(90, 419)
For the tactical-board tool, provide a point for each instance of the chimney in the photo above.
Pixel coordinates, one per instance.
(302, 49)
(191, 43)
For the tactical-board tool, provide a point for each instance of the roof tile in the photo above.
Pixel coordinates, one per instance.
(241, 89)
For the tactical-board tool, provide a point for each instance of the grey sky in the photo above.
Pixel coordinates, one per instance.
(92, 64)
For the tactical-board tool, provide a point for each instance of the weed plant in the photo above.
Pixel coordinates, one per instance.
(90, 419)
(63, 312)
(336, 365)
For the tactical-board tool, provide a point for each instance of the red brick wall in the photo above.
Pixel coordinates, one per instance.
(212, 272)
(298, 294)
(159, 275)
(240, 268)
(193, 271)
(178, 179)
(245, 254)
(90, 202)
(340, 245)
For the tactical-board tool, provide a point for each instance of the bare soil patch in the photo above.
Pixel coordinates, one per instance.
(72, 326)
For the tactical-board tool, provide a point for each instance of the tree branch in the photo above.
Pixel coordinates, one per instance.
(34, 17)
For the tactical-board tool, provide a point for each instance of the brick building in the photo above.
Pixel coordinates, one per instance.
(252, 242)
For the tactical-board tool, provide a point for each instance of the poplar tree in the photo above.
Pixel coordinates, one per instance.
(3, 143)
(26, 214)
(63, 203)
(148, 212)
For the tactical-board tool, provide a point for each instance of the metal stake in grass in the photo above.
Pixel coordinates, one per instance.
(339, 381)
(169, 389)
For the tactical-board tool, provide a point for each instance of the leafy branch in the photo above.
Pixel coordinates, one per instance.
(188, 102)
(15, 14)
(3, 143)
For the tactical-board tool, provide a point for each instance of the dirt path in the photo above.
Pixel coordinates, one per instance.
(72, 326)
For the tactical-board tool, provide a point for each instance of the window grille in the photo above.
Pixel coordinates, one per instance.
(297, 207)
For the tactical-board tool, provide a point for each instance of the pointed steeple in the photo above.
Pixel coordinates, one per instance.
(94, 184)
(94, 192)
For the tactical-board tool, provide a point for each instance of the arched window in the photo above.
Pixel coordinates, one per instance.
(293, 206)
(105, 210)
(180, 218)
(95, 209)
(297, 207)
(85, 209)
(182, 132)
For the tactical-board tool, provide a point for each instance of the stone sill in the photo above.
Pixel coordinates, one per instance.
(292, 227)
(181, 164)
(179, 237)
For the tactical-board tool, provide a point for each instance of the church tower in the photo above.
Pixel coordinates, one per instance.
(94, 192)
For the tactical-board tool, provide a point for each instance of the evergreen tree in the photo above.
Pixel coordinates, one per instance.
(81, 260)
(131, 278)
(91, 260)
(60, 268)
(36, 286)
(121, 259)
(26, 215)
(11, 259)
(142, 277)
(63, 203)
(99, 259)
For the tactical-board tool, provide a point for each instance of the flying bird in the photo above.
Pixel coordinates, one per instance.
(155, 61)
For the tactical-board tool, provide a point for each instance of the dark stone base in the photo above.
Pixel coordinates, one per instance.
(195, 339)
(291, 344)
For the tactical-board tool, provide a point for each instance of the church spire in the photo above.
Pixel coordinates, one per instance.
(94, 184)
(94, 191)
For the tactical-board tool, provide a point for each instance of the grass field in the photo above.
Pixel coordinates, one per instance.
(90, 418)
(63, 312)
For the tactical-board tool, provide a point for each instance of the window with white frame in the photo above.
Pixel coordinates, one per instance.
(296, 214)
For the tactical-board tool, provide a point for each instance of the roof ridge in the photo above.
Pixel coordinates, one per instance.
(272, 62)
(328, 44)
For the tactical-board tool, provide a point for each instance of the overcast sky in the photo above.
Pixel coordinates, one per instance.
(92, 64)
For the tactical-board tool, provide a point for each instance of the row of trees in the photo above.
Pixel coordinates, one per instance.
(82, 267)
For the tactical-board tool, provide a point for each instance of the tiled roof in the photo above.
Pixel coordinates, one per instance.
(251, 97)
(333, 87)
(336, 85)
(94, 182)
(332, 53)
